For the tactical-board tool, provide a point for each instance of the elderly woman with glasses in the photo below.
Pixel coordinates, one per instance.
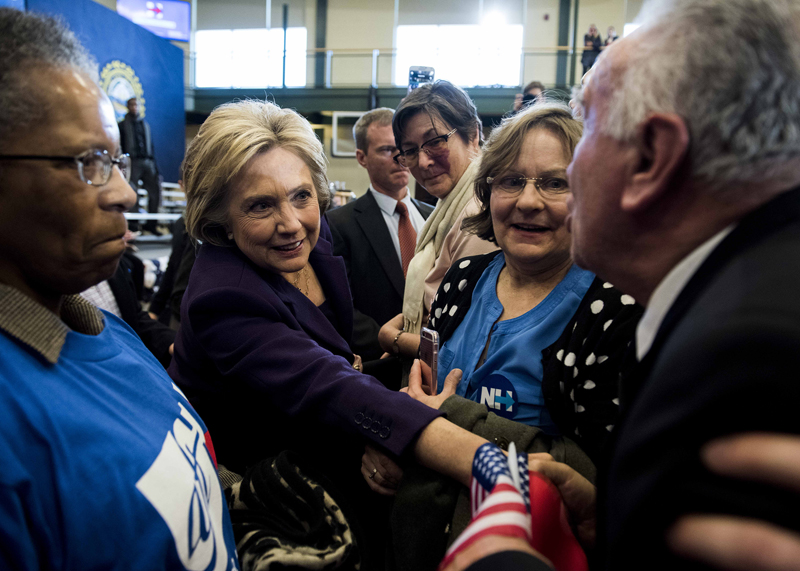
(438, 133)
(539, 340)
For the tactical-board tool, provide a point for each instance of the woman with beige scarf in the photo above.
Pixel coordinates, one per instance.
(438, 132)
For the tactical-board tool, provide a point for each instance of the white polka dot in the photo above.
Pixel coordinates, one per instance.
(461, 285)
(627, 300)
(589, 385)
(444, 309)
(615, 401)
(453, 310)
(569, 360)
(602, 359)
(433, 322)
(607, 324)
(560, 355)
(590, 359)
(577, 433)
(607, 285)
(463, 264)
(572, 395)
(446, 287)
(436, 297)
(580, 408)
(438, 312)
(597, 306)
(574, 326)
(575, 373)
(610, 427)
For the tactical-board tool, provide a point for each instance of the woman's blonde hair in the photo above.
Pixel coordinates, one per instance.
(232, 135)
(504, 146)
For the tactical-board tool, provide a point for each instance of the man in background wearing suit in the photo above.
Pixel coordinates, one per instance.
(136, 140)
(376, 234)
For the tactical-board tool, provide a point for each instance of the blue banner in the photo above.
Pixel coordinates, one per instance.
(133, 62)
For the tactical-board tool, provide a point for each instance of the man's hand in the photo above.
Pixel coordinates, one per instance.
(735, 543)
(578, 493)
(416, 390)
(382, 473)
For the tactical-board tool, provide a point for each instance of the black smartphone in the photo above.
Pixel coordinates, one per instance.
(419, 74)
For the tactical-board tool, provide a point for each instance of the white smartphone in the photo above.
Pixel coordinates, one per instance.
(429, 358)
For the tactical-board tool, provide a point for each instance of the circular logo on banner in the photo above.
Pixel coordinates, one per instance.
(120, 83)
(499, 395)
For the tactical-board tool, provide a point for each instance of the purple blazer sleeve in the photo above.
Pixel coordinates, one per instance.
(242, 325)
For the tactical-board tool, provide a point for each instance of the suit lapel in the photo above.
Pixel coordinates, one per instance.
(369, 217)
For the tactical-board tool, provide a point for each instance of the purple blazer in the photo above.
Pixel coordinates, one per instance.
(267, 371)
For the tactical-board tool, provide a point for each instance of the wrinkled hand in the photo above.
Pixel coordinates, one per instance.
(418, 391)
(382, 473)
(578, 493)
(388, 331)
(735, 543)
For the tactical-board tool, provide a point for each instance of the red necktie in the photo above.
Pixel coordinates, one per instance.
(407, 236)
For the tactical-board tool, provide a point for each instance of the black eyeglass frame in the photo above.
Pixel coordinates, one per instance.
(422, 147)
(123, 162)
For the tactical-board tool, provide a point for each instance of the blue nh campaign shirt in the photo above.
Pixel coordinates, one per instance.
(509, 382)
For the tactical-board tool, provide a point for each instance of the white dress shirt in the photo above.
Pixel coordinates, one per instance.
(668, 290)
(387, 204)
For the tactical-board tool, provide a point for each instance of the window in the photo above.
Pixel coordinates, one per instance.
(250, 58)
(467, 55)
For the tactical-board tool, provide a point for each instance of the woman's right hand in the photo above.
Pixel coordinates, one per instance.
(416, 390)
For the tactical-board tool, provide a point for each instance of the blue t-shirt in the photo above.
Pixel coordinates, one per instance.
(103, 462)
(509, 382)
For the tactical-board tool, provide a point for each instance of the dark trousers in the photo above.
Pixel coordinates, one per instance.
(146, 171)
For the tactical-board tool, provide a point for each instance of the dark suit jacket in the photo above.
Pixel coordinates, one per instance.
(725, 360)
(267, 371)
(156, 336)
(374, 271)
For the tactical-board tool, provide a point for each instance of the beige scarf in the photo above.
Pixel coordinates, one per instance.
(429, 246)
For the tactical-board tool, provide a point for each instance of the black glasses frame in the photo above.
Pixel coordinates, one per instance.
(123, 162)
(415, 152)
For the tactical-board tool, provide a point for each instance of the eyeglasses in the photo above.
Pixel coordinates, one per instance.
(548, 187)
(94, 167)
(433, 148)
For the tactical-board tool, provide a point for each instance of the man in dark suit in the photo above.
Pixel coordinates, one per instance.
(136, 140)
(376, 234)
(686, 195)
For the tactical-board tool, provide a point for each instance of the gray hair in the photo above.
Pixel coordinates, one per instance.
(381, 116)
(731, 69)
(30, 40)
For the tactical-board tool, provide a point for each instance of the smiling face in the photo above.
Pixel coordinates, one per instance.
(59, 235)
(530, 229)
(441, 174)
(385, 175)
(273, 211)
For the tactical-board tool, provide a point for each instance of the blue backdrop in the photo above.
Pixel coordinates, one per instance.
(146, 64)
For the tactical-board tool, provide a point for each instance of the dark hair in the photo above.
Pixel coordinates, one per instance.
(30, 40)
(504, 146)
(534, 85)
(443, 100)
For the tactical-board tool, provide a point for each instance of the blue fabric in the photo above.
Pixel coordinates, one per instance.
(510, 380)
(104, 462)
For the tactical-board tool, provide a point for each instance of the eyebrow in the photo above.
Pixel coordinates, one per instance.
(431, 133)
(556, 173)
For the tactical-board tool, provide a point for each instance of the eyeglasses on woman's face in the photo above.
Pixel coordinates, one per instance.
(94, 167)
(433, 148)
(548, 186)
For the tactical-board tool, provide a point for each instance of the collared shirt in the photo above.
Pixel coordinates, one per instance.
(387, 204)
(41, 329)
(102, 296)
(668, 290)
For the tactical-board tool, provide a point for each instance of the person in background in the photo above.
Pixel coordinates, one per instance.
(592, 45)
(530, 95)
(611, 37)
(438, 132)
(105, 464)
(161, 304)
(376, 234)
(137, 142)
